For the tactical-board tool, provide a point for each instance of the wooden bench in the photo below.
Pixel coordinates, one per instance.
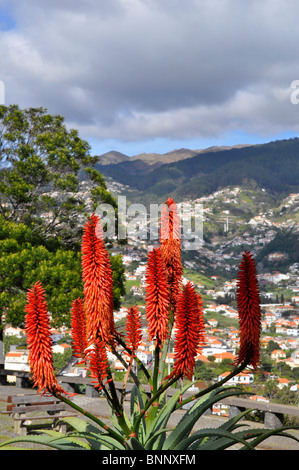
(33, 407)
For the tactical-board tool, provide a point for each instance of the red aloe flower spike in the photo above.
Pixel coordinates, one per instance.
(248, 298)
(189, 336)
(78, 328)
(39, 341)
(171, 248)
(98, 363)
(98, 283)
(157, 301)
(133, 328)
(170, 222)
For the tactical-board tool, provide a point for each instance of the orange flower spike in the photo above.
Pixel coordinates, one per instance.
(39, 341)
(78, 329)
(248, 298)
(189, 335)
(171, 248)
(98, 282)
(98, 363)
(157, 301)
(170, 222)
(133, 328)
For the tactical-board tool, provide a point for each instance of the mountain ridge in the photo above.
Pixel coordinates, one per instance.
(114, 157)
(273, 165)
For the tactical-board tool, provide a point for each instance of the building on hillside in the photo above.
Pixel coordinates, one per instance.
(212, 322)
(60, 348)
(282, 382)
(17, 360)
(278, 355)
(144, 356)
(294, 388)
(219, 357)
(12, 331)
(244, 378)
(259, 398)
(56, 335)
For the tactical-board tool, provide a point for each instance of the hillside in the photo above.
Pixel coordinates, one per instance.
(273, 166)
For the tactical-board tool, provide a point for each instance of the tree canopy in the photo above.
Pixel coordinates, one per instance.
(42, 211)
(41, 163)
(24, 261)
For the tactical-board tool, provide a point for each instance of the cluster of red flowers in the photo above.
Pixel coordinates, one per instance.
(168, 303)
(133, 328)
(248, 299)
(157, 299)
(39, 341)
(170, 242)
(98, 363)
(189, 337)
(79, 333)
(98, 283)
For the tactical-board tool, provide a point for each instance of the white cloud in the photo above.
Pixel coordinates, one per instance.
(139, 69)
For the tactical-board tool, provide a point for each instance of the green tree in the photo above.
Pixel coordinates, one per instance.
(41, 163)
(118, 271)
(271, 346)
(24, 260)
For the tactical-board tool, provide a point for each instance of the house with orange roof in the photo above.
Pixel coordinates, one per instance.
(291, 343)
(202, 358)
(212, 322)
(17, 360)
(169, 358)
(244, 378)
(219, 357)
(145, 356)
(269, 318)
(294, 388)
(60, 348)
(14, 331)
(259, 398)
(290, 361)
(282, 382)
(56, 335)
(278, 355)
(118, 366)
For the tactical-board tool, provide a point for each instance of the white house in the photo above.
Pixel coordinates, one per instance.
(241, 379)
(17, 360)
(145, 357)
(60, 348)
(294, 388)
(12, 331)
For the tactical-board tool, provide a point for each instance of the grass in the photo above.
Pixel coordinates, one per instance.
(199, 278)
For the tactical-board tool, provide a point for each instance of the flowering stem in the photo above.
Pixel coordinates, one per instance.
(153, 400)
(235, 372)
(98, 421)
(156, 368)
(126, 378)
(140, 364)
(126, 365)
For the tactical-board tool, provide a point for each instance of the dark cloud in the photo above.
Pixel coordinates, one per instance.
(140, 69)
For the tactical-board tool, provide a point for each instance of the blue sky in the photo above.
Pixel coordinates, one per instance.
(151, 76)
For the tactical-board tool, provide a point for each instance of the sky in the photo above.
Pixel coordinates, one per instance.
(155, 75)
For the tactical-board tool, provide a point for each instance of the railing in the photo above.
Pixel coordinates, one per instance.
(273, 412)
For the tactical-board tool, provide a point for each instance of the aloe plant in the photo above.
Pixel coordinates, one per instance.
(170, 306)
